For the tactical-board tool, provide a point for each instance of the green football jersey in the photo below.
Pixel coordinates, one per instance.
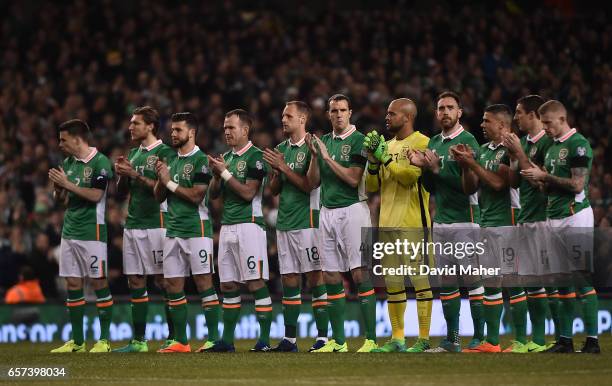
(570, 151)
(186, 219)
(296, 209)
(144, 212)
(495, 206)
(452, 204)
(245, 164)
(533, 201)
(347, 150)
(83, 219)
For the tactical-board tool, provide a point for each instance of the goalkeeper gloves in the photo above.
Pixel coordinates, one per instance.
(381, 153)
(371, 141)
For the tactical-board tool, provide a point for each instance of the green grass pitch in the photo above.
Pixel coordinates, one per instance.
(244, 368)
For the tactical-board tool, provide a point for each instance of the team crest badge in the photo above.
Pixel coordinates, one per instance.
(87, 172)
(581, 151)
(301, 156)
(346, 149)
(499, 155)
(241, 166)
(187, 169)
(563, 153)
(151, 160)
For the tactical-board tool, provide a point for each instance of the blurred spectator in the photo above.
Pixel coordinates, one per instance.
(27, 290)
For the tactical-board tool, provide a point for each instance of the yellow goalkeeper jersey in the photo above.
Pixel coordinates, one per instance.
(404, 202)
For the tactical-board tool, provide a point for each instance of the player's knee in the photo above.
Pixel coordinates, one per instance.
(159, 282)
(174, 285)
(229, 286)
(332, 277)
(99, 283)
(203, 282)
(254, 285)
(291, 280)
(359, 275)
(136, 281)
(74, 283)
(314, 279)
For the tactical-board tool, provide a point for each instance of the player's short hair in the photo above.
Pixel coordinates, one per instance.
(149, 115)
(338, 98)
(552, 106)
(531, 103)
(450, 94)
(77, 128)
(190, 119)
(301, 107)
(243, 117)
(500, 109)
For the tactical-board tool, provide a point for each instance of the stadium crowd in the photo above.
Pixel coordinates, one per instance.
(97, 62)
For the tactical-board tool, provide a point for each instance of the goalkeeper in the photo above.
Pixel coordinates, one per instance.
(404, 214)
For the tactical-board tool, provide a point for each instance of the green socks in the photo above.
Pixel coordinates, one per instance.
(476, 296)
(451, 305)
(140, 306)
(76, 308)
(493, 305)
(231, 312)
(212, 310)
(292, 303)
(319, 309)
(588, 299)
(536, 303)
(567, 297)
(104, 303)
(337, 302)
(263, 310)
(518, 310)
(367, 301)
(553, 306)
(178, 313)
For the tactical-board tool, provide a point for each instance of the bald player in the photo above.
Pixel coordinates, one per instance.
(404, 214)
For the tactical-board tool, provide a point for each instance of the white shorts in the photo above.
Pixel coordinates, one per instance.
(185, 257)
(457, 234)
(298, 251)
(500, 251)
(143, 251)
(341, 236)
(80, 258)
(570, 244)
(531, 248)
(243, 253)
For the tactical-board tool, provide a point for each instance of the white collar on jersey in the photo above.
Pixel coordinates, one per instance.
(93, 152)
(151, 146)
(192, 152)
(244, 149)
(343, 136)
(537, 137)
(493, 146)
(452, 135)
(566, 136)
(298, 143)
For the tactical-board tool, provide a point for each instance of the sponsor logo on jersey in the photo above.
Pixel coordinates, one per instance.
(563, 153)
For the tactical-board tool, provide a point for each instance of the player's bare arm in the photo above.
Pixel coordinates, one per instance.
(351, 175)
(60, 179)
(497, 180)
(574, 184)
(159, 190)
(126, 171)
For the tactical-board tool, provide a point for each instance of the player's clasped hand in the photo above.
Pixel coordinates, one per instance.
(163, 174)
(462, 154)
(534, 173)
(58, 177)
(275, 159)
(217, 165)
(322, 149)
(124, 168)
(311, 143)
(511, 142)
